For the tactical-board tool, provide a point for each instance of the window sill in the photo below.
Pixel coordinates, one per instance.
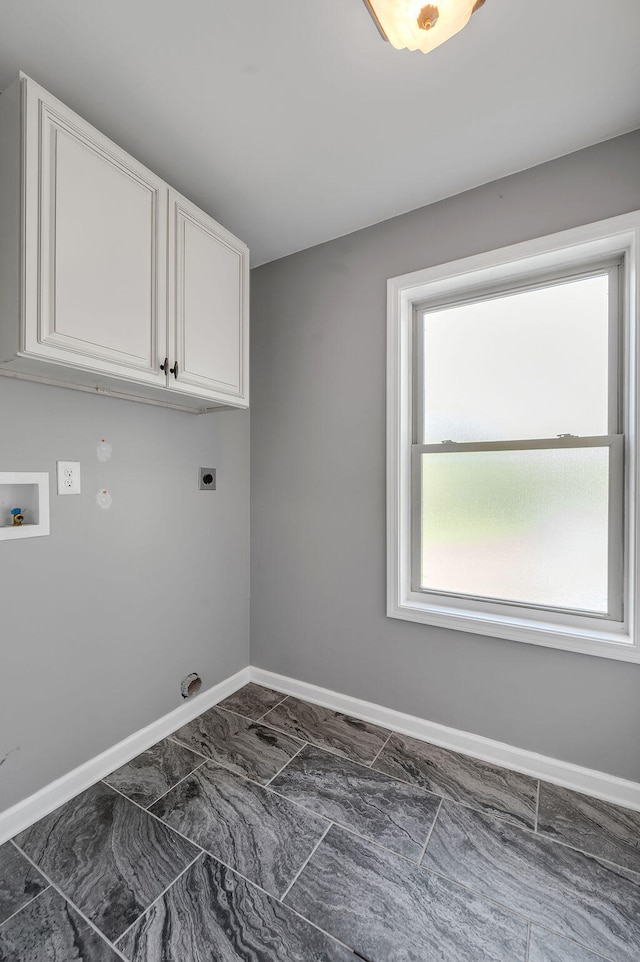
(603, 643)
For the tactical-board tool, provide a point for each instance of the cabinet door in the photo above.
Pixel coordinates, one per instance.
(208, 306)
(95, 247)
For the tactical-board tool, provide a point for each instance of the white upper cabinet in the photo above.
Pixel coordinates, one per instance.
(105, 271)
(209, 292)
(96, 251)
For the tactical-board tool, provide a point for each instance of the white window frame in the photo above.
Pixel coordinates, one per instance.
(615, 238)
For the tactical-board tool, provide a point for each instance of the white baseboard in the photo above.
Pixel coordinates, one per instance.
(599, 784)
(25, 813)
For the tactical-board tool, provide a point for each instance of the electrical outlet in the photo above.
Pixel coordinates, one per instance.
(68, 473)
(207, 479)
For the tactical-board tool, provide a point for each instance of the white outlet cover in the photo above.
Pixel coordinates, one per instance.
(68, 475)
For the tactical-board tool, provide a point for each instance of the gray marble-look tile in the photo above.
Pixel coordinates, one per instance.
(154, 772)
(210, 913)
(107, 855)
(351, 737)
(389, 812)
(252, 701)
(600, 828)
(264, 837)
(238, 743)
(19, 881)
(461, 778)
(545, 947)
(574, 895)
(388, 909)
(50, 930)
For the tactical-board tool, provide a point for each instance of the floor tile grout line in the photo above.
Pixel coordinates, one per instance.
(177, 741)
(381, 728)
(310, 741)
(291, 801)
(251, 721)
(528, 944)
(208, 758)
(442, 800)
(260, 888)
(281, 702)
(204, 759)
(305, 863)
(571, 941)
(70, 902)
(378, 845)
(324, 748)
(366, 767)
(476, 893)
(164, 794)
(244, 777)
(214, 761)
(250, 882)
(326, 818)
(422, 868)
(349, 761)
(508, 819)
(27, 904)
(158, 897)
(210, 854)
(343, 825)
(379, 753)
(296, 804)
(270, 895)
(238, 714)
(280, 731)
(482, 812)
(542, 837)
(433, 825)
(333, 754)
(302, 747)
(337, 752)
(535, 826)
(160, 820)
(334, 938)
(512, 911)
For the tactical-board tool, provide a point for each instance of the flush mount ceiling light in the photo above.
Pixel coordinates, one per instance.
(413, 25)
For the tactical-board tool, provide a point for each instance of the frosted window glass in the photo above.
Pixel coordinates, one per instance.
(530, 365)
(521, 526)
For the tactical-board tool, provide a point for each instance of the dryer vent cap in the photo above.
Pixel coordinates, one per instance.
(191, 685)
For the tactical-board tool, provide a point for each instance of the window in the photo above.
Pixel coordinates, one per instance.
(512, 410)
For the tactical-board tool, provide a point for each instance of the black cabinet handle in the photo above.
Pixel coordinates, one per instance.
(165, 367)
(174, 370)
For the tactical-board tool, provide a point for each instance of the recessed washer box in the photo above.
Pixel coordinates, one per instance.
(28, 491)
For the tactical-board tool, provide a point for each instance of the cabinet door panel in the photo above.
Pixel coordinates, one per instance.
(209, 304)
(102, 250)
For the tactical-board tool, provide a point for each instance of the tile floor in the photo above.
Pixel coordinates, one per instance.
(272, 830)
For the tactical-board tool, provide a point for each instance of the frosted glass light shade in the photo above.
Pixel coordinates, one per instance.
(398, 20)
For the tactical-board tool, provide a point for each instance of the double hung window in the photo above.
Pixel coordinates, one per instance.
(511, 447)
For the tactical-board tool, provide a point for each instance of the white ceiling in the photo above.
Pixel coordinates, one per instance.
(292, 122)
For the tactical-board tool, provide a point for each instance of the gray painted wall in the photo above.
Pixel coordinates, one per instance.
(318, 480)
(102, 619)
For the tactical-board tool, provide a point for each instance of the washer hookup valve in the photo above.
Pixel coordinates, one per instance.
(18, 517)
